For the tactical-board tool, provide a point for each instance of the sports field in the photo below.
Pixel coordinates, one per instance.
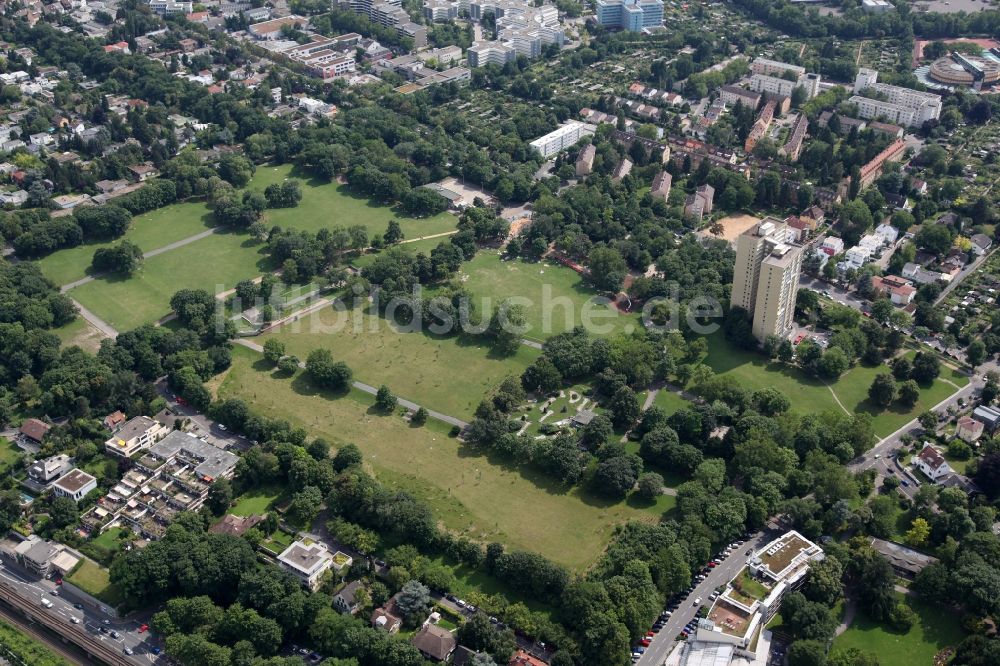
(555, 298)
(448, 374)
(935, 629)
(326, 205)
(215, 263)
(808, 394)
(150, 231)
(468, 493)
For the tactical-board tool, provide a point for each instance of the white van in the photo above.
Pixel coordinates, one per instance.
(46, 602)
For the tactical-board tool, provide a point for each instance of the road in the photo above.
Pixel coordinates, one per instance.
(368, 388)
(664, 641)
(839, 295)
(24, 592)
(958, 279)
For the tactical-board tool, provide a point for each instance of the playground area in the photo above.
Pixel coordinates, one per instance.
(570, 408)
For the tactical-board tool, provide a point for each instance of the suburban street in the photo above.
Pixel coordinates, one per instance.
(664, 641)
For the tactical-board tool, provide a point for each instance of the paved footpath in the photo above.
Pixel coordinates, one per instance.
(98, 323)
(368, 388)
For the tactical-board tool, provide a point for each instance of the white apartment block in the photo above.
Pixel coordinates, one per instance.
(766, 277)
(481, 54)
(568, 134)
(777, 85)
(390, 14)
(767, 67)
(170, 7)
(921, 106)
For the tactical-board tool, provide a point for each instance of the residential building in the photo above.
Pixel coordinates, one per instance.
(389, 14)
(904, 560)
(115, 419)
(969, 429)
(39, 557)
(766, 277)
(585, 160)
(631, 15)
(932, 463)
(481, 54)
(732, 95)
(753, 597)
(760, 126)
(558, 140)
(143, 172)
(903, 106)
(383, 619)
(49, 469)
(434, 642)
(75, 485)
(346, 600)
(623, 169)
(31, 433)
(699, 204)
(814, 213)
(888, 233)
(766, 67)
(439, 11)
(307, 560)
(981, 243)
(137, 435)
(661, 186)
(170, 7)
(871, 171)
(793, 147)
(900, 290)
(235, 525)
(522, 658)
(988, 416)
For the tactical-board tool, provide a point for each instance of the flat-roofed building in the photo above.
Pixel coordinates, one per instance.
(136, 435)
(560, 139)
(75, 485)
(308, 561)
(766, 276)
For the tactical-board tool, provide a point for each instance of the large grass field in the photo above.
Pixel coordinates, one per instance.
(468, 492)
(448, 374)
(557, 298)
(935, 629)
(808, 394)
(215, 263)
(149, 231)
(10, 453)
(326, 205)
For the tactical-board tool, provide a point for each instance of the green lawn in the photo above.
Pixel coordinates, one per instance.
(807, 394)
(555, 297)
(215, 263)
(256, 502)
(10, 453)
(94, 580)
(449, 374)
(81, 333)
(936, 629)
(326, 205)
(149, 231)
(469, 493)
(669, 401)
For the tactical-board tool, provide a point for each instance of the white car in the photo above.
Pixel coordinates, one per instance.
(697, 602)
(74, 619)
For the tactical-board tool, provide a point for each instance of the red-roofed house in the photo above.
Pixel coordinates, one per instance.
(801, 227)
(120, 47)
(197, 17)
(522, 658)
(932, 463)
(900, 290)
(33, 431)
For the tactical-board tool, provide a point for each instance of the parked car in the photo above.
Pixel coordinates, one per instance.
(644, 642)
(697, 602)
